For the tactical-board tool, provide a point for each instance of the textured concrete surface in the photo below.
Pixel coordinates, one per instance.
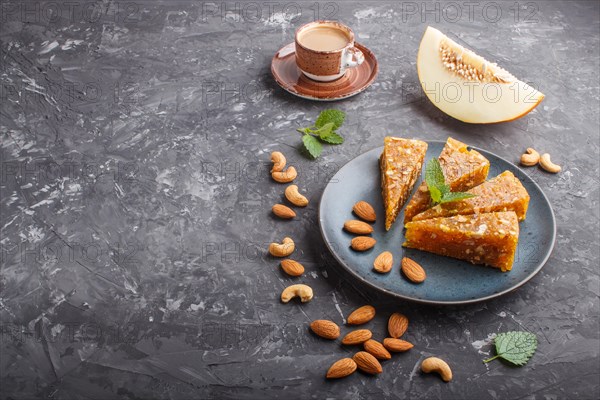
(135, 201)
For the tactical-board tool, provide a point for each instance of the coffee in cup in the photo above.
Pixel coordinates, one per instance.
(325, 49)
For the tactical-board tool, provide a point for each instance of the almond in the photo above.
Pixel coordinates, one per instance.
(364, 211)
(283, 211)
(383, 263)
(358, 227)
(367, 363)
(413, 271)
(325, 329)
(362, 243)
(397, 345)
(377, 350)
(361, 315)
(357, 337)
(341, 368)
(292, 268)
(397, 325)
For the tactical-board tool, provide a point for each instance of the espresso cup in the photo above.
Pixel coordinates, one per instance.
(325, 49)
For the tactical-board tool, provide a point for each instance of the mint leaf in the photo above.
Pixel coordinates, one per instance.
(434, 176)
(436, 183)
(332, 138)
(435, 194)
(454, 196)
(324, 130)
(445, 189)
(312, 145)
(336, 117)
(515, 347)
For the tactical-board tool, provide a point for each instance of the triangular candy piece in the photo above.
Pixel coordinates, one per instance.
(400, 163)
(502, 193)
(463, 169)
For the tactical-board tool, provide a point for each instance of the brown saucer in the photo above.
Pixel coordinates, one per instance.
(288, 76)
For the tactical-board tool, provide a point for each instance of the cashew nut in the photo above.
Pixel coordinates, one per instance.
(278, 160)
(548, 165)
(282, 250)
(303, 291)
(294, 197)
(434, 364)
(530, 158)
(284, 176)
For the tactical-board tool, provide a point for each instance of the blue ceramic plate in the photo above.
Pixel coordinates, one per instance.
(449, 281)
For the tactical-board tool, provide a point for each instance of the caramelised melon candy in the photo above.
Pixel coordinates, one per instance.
(463, 169)
(400, 164)
(502, 193)
(488, 239)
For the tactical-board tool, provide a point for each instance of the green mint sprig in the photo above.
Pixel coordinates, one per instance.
(438, 189)
(515, 347)
(323, 131)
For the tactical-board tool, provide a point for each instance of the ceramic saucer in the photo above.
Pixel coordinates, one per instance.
(289, 77)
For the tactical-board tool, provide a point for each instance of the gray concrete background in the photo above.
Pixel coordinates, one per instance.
(135, 201)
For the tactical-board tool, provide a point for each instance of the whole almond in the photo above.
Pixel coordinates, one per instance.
(357, 337)
(325, 329)
(358, 227)
(362, 243)
(364, 211)
(292, 268)
(283, 211)
(367, 363)
(361, 315)
(397, 325)
(383, 263)
(341, 368)
(397, 345)
(413, 271)
(377, 350)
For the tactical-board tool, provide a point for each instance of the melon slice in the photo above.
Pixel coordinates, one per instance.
(467, 86)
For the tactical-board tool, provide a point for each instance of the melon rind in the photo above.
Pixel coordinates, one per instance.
(480, 102)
